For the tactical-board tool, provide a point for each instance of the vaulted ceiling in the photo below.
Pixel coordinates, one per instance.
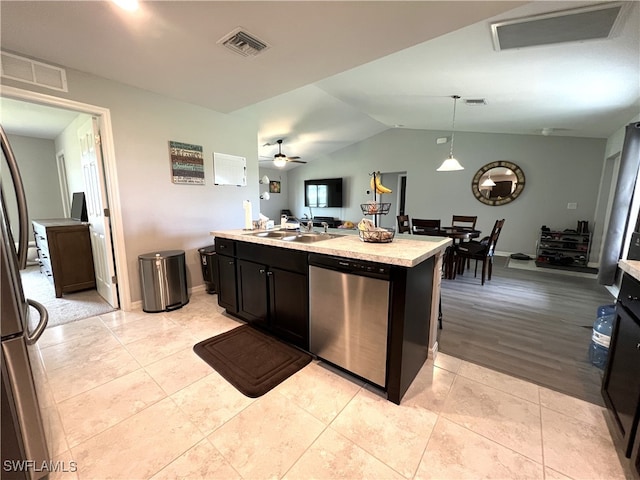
(335, 73)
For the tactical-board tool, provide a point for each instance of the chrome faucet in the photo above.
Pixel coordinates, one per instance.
(326, 226)
(310, 226)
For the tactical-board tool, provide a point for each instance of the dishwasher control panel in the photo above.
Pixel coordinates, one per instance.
(348, 265)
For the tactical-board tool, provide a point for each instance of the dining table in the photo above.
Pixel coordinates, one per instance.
(458, 234)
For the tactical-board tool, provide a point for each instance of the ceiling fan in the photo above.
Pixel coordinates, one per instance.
(280, 159)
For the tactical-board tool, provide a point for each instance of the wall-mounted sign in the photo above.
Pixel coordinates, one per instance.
(187, 163)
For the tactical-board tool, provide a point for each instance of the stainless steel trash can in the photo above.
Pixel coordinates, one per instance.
(163, 278)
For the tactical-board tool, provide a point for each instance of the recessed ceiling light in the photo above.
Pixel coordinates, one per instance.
(129, 5)
(398, 125)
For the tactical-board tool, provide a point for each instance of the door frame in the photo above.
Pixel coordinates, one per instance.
(103, 116)
(62, 178)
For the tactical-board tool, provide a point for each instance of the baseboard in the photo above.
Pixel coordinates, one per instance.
(433, 351)
(569, 268)
(197, 290)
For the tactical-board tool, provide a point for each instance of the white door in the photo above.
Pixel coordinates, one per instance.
(96, 197)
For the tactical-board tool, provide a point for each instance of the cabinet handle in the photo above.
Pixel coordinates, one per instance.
(269, 273)
(262, 270)
(633, 299)
(638, 346)
(230, 262)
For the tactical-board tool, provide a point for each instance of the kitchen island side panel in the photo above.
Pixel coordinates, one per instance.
(410, 322)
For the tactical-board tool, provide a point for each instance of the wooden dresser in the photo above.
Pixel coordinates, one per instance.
(64, 253)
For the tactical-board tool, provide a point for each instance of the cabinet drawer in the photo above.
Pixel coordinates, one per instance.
(292, 260)
(225, 246)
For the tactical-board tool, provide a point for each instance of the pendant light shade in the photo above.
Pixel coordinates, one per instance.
(488, 183)
(451, 164)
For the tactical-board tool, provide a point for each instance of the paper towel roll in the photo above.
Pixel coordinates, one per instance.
(248, 223)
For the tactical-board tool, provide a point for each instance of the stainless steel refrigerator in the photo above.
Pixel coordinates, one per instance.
(24, 443)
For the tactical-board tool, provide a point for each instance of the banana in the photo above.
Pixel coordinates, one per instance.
(377, 186)
(381, 189)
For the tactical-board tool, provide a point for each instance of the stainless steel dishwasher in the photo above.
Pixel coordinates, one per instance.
(348, 314)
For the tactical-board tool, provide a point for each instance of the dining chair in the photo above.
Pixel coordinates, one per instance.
(482, 250)
(425, 227)
(404, 223)
(464, 221)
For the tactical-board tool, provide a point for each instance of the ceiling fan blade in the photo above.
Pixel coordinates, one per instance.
(297, 161)
(293, 158)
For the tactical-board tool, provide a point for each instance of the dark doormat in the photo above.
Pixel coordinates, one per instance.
(250, 360)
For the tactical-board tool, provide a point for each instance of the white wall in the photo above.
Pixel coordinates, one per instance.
(157, 214)
(277, 201)
(68, 143)
(160, 215)
(558, 170)
(36, 159)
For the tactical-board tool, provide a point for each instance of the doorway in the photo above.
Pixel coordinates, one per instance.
(115, 240)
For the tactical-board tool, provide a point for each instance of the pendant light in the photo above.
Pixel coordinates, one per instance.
(451, 164)
(488, 182)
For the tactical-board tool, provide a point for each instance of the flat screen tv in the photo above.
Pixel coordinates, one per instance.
(326, 192)
(79, 207)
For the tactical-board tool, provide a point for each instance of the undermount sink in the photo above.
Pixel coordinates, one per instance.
(309, 237)
(271, 234)
(294, 236)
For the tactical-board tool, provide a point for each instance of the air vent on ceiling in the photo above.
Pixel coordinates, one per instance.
(574, 25)
(243, 43)
(475, 101)
(30, 71)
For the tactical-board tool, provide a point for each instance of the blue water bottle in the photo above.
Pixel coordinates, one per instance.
(601, 335)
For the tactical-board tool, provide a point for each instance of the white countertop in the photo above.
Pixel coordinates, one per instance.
(632, 267)
(404, 250)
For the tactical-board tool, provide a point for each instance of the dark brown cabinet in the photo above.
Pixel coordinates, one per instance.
(252, 291)
(227, 285)
(289, 306)
(64, 254)
(621, 382)
(272, 290)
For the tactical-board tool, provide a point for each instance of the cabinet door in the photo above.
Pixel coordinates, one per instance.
(289, 311)
(621, 383)
(252, 292)
(227, 289)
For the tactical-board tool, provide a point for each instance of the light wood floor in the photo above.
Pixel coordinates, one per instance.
(532, 325)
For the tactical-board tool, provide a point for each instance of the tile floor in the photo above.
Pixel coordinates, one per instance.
(127, 398)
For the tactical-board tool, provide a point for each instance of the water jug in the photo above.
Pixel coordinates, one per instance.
(601, 335)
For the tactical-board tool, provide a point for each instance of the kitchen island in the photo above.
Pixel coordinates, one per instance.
(621, 380)
(264, 280)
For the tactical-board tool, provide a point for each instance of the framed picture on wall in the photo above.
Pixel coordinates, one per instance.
(274, 186)
(187, 163)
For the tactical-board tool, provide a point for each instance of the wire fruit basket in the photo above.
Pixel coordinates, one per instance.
(375, 208)
(382, 235)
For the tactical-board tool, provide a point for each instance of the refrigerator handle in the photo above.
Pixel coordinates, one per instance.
(21, 199)
(32, 337)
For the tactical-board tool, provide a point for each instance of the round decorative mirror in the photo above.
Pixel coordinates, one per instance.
(498, 183)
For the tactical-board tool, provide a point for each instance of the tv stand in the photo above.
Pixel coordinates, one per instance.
(331, 221)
